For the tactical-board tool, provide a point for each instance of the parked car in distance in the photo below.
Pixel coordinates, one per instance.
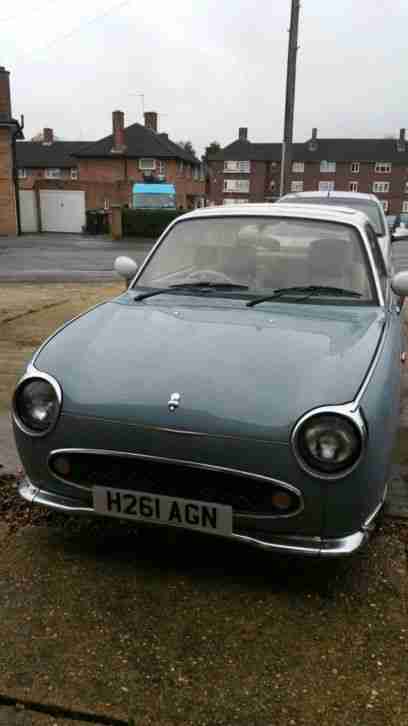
(245, 385)
(391, 221)
(400, 224)
(402, 218)
(367, 203)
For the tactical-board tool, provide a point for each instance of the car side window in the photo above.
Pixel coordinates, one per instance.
(378, 258)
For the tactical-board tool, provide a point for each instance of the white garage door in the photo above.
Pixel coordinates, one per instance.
(62, 211)
(28, 211)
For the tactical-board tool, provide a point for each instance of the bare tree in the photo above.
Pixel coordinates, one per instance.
(187, 146)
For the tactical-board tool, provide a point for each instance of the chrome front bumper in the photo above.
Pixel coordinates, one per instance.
(290, 545)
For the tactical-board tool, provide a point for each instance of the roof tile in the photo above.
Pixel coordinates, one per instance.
(33, 154)
(327, 150)
(139, 141)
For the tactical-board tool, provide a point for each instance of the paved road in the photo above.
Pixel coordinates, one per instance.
(65, 257)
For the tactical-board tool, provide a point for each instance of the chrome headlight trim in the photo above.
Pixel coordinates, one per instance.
(32, 373)
(353, 415)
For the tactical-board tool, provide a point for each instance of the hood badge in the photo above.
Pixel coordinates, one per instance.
(174, 402)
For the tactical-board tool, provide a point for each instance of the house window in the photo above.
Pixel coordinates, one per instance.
(296, 186)
(353, 186)
(404, 207)
(298, 167)
(236, 200)
(382, 167)
(147, 164)
(406, 187)
(326, 186)
(328, 167)
(22, 173)
(161, 167)
(355, 167)
(236, 185)
(180, 168)
(53, 173)
(74, 174)
(381, 187)
(385, 204)
(237, 167)
(106, 204)
(196, 172)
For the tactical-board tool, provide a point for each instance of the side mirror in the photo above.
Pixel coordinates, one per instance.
(399, 283)
(125, 267)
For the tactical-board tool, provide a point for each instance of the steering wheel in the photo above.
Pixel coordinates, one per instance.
(208, 276)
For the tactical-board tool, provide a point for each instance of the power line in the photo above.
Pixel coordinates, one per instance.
(28, 12)
(85, 23)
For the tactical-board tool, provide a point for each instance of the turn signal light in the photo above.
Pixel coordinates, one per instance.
(61, 465)
(282, 501)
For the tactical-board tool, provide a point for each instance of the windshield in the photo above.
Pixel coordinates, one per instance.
(260, 255)
(369, 207)
(154, 201)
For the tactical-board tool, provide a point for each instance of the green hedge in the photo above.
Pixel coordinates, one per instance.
(147, 222)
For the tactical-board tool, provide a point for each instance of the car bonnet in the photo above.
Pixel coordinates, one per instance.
(238, 370)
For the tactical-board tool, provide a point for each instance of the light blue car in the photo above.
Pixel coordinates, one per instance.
(245, 385)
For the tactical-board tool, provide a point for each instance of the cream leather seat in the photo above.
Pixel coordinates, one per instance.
(330, 263)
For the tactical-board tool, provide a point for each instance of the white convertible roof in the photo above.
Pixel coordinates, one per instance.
(335, 194)
(322, 212)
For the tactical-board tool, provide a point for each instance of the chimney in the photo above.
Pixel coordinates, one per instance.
(401, 141)
(243, 134)
(118, 132)
(48, 137)
(313, 141)
(150, 119)
(5, 102)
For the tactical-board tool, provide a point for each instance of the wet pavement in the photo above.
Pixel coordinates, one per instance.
(65, 257)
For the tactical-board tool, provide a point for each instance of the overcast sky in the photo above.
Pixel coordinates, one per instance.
(207, 66)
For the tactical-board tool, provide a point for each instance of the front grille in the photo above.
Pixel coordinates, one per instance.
(244, 494)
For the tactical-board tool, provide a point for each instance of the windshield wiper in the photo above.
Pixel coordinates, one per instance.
(308, 290)
(199, 286)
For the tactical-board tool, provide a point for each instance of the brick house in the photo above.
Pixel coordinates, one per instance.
(106, 170)
(137, 153)
(250, 172)
(46, 159)
(10, 130)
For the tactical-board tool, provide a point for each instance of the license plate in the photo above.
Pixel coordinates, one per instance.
(173, 511)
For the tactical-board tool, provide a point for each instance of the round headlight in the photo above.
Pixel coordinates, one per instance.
(36, 405)
(328, 444)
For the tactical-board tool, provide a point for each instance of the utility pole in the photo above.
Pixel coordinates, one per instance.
(290, 96)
